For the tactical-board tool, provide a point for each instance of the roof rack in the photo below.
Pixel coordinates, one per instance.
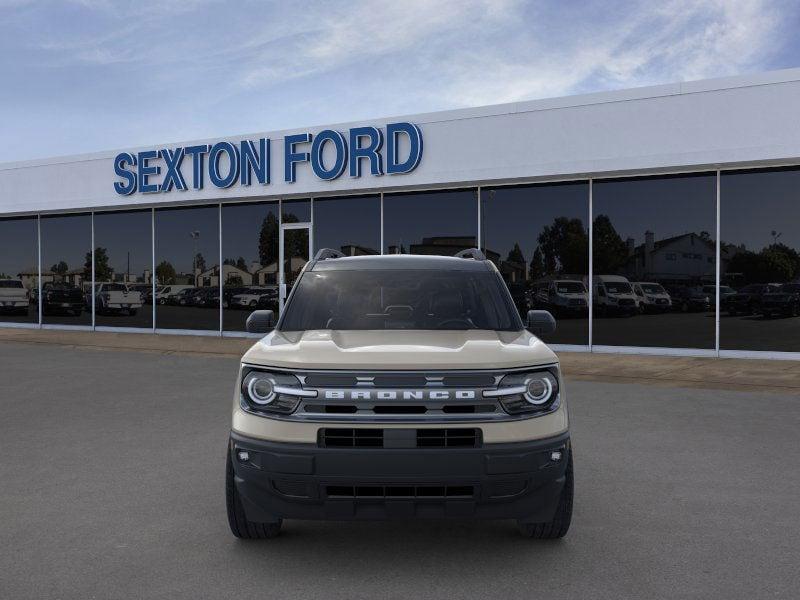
(471, 253)
(325, 253)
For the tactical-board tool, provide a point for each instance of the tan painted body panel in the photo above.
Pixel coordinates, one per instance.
(277, 430)
(399, 350)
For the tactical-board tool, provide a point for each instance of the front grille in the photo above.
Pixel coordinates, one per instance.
(626, 302)
(449, 437)
(577, 302)
(312, 408)
(400, 491)
(351, 438)
(398, 380)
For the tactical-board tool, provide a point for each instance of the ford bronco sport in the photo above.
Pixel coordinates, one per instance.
(399, 387)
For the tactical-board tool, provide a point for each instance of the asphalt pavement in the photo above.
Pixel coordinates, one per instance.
(111, 486)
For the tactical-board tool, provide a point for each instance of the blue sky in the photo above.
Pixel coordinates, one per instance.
(88, 75)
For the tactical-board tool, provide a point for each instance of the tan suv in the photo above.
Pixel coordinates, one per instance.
(399, 387)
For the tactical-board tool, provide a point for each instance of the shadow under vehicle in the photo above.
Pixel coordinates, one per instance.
(785, 301)
(14, 298)
(689, 299)
(62, 298)
(564, 297)
(651, 297)
(747, 300)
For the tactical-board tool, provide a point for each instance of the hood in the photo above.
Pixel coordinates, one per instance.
(399, 350)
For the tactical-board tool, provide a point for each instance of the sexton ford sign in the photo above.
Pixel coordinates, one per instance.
(225, 164)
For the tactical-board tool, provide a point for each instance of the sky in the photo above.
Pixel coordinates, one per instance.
(89, 75)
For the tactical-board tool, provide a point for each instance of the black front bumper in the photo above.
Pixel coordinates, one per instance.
(304, 481)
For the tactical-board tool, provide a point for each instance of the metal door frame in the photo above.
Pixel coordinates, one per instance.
(281, 275)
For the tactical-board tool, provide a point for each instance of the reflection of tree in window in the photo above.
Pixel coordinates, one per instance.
(165, 273)
(102, 270)
(564, 246)
(268, 240)
(610, 251)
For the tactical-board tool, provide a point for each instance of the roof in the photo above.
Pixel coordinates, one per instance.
(399, 262)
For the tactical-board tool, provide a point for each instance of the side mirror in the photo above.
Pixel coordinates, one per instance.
(540, 322)
(260, 321)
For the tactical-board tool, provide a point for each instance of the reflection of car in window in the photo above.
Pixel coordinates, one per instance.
(613, 294)
(563, 297)
(651, 297)
(399, 386)
(748, 299)
(251, 297)
(782, 301)
(689, 299)
(14, 297)
(114, 298)
(62, 298)
(166, 295)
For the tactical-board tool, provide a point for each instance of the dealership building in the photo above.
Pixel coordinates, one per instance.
(660, 220)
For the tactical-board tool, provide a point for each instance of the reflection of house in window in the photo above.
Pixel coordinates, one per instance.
(353, 250)
(673, 259)
(439, 245)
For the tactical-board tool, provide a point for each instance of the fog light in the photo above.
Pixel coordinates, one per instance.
(555, 455)
(243, 455)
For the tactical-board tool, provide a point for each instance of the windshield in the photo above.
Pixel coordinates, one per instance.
(395, 299)
(618, 288)
(570, 287)
(10, 283)
(652, 288)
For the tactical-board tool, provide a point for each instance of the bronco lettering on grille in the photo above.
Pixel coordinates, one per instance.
(399, 395)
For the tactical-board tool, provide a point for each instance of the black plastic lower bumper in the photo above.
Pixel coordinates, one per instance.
(303, 481)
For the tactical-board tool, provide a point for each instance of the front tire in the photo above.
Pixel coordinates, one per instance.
(559, 525)
(240, 526)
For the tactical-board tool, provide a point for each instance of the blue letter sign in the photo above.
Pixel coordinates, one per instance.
(328, 154)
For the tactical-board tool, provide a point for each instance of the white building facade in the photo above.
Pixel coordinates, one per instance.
(689, 184)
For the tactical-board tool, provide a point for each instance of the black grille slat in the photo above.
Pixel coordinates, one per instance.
(380, 492)
(351, 438)
(425, 438)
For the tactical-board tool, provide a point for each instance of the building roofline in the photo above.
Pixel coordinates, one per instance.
(546, 104)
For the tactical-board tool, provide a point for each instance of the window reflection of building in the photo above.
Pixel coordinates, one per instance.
(685, 258)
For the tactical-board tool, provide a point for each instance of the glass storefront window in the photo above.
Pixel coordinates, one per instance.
(187, 269)
(351, 225)
(67, 269)
(654, 261)
(296, 211)
(250, 261)
(441, 222)
(123, 265)
(19, 270)
(760, 260)
(538, 237)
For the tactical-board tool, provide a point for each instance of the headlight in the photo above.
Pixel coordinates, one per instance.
(528, 392)
(538, 389)
(264, 391)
